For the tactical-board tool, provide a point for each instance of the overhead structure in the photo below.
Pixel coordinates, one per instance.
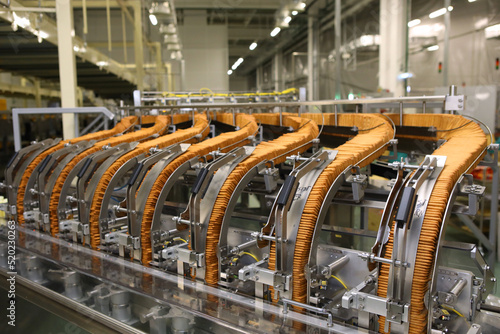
(218, 212)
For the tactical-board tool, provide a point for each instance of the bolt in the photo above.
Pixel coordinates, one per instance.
(361, 306)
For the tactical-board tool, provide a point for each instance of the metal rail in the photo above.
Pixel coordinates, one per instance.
(264, 105)
(42, 111)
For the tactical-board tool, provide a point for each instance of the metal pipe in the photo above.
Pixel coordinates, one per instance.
(310, 69)
(243, 246)
(287, 302)
(337, 264)
(108, 22)
(124, 38)
(85, 21)
(458, 287)
(446, 42)
(338, 68)
(403, 99)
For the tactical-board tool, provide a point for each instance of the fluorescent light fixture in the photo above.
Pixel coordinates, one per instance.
(153, 19)
(405, 75)
(408, 89)
(229, 72)
(275, 31)
(22, 22)
(366, 40)
(438, 12)
(287, 19)
(237, 63)
(433, 48)
(253, 46)
(472, 0)
(492, 31)
(41, 35)
(413, 23)
(350, 96)
(294, 12)
(102, 63)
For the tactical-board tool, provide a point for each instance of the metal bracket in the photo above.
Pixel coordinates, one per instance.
(271, 176)
(358, 183)
(474, 193)
(454, 102)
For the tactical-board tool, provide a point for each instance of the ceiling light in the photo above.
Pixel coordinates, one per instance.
(229, 72)
(275, 31)
(153, 19)
(413, 23)
(492, 31)
(433, 48)
(450, 8)
(20, 21)
(405, 75)
(472, 0)
(102, 63)
(253, 46)
(294, 12)
(237, 63)
(437, 13)
(303, 5)
(287, 19)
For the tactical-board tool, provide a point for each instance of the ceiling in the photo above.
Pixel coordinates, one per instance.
(22, 54)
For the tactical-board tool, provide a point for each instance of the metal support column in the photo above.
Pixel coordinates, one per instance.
(67, 64)
(310, 68)
(278, 71)
(446, 42)
(392, 45)
(259, 78)
(160, 69)
(312, 57)
(338, 58)
(138, 45)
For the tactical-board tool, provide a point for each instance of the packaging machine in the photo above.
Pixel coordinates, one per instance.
(261, 217)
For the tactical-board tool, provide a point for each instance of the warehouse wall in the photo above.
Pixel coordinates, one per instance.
(205, 53)
(471, 61)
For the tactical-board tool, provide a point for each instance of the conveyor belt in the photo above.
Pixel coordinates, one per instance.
(465, 141)
(124, 125)
(199, 130)
(375, 131)
(291, 143)
(160, 126)
(224, 141)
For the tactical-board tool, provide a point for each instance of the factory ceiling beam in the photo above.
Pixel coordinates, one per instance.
(91, 55)
(28, 90)
(179, 4)
(300, 34)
